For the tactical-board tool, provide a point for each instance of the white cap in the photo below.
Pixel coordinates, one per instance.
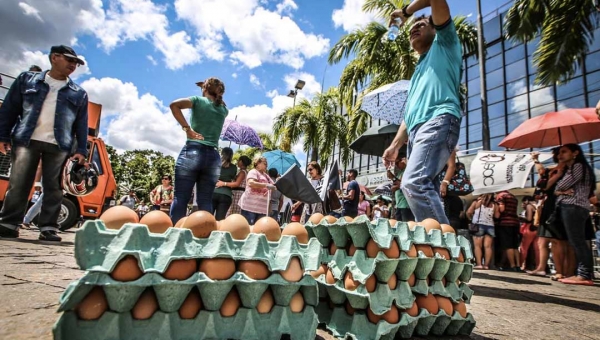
(37, 184)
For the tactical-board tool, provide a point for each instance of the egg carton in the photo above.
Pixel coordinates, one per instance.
(358, 327)
(122, 296)
(99, 249)
(245, 324)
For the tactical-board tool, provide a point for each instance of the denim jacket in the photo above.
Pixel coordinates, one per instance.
(22, 106)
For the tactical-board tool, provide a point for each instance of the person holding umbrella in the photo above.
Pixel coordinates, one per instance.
(432, 116)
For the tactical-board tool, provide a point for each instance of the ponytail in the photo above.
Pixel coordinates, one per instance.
(215, 88)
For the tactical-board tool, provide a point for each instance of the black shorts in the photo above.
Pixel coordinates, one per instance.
(508, 237)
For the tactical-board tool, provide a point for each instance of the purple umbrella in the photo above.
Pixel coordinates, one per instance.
(240, 134)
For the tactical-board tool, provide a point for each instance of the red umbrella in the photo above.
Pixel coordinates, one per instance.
(555, 128)
(362, 188)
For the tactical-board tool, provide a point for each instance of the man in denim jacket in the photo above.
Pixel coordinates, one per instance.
(44, 117)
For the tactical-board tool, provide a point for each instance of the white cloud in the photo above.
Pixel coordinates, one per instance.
(286, 6)
(254, 80)
(272, 94)
(123, 107)
(311, 86)
(152, 60)
(351, 16)
(30, 11)
(234, 75)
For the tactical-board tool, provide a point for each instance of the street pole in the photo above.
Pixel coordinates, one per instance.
(485, 123)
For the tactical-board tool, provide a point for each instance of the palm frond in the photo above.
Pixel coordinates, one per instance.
(525, 18)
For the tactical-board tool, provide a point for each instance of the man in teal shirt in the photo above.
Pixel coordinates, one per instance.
(432, 117)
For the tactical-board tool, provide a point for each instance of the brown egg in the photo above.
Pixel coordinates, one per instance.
(329, 277)
(413, 310)
(372, 317)
(446, 228)
(268, 226)
(236, 225)
(201, 223)
(266, 302)
(349, 309)
(145, 306)
(127, 269)
(332, 248)
(412, 279)
(157, 221)
(231, 304)
(392, 316)
(348, 219)
(297, 303)
(412, 251)
(180, 269)
(298, 230)
(428, 302)
(393, 222)
(411, 225)
(461, 308)
(294, 271)
(372, 248)
(426, 249)
(93, 305)
(217, 268)
(191, 305)
(392, 282)
(254, 269)
(180, 222)
(115, 217)
(320, 271)
(445, 304)
(349, 282)
(430, 224)
(330, 219)
(371, 284)
(315, 218)
(393, 252)
(351, 249)
(461, 257)
(355, 219)
(443, 252)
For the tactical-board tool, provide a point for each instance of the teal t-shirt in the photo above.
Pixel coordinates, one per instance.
(227, 175)
(435, 85)
(401, 202)
(207, 119)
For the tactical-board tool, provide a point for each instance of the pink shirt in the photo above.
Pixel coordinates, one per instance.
(362, 207)
(256, 200)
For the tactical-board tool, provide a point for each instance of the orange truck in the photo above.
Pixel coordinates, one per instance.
(92, 205)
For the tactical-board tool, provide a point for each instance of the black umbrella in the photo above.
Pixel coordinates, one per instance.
(294, 185)
(375, 140)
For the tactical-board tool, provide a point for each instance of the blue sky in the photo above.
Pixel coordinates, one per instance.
(143, 54)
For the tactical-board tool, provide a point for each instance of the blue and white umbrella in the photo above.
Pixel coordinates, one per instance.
(387, 102)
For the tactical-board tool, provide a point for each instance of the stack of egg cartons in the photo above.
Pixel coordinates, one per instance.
(379, 281)
(176, 285)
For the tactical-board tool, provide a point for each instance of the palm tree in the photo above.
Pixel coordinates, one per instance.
(319, 123)
(566, 29)
(377, 61)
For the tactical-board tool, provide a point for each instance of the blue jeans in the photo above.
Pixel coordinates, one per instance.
(34, 210)
(25, 161)
(429, 147)
(574, 218)
(252, 217)
(198, 165)
(485, 230)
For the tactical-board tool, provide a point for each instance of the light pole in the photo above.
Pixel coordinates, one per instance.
(485, 121)
(293, 93)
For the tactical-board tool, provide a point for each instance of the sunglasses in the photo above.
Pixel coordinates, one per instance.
(310, 169)
(165, 178)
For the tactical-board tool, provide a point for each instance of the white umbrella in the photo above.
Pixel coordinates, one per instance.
(387, 102)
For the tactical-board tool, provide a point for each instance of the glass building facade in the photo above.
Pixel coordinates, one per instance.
(512, 94)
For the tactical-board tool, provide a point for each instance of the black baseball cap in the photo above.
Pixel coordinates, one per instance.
(67, 52)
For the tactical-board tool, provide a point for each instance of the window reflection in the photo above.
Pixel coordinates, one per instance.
(592, 62)
(473, 87)
(491, 29)
(516, 119)
(516, 88)
(515, 71)
(495, 95)
(495, 78)
(573, 88)
(496, 110)
(494, 63)
(497, 127)
(474, 102)
(540, 110)
(514, 54)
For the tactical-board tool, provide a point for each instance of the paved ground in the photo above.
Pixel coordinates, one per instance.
(505, 305)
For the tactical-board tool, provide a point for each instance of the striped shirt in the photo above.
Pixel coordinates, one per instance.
(508, 217)
(577, 178)
(256, 199)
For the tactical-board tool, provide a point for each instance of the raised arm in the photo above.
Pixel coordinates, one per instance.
(440, 12)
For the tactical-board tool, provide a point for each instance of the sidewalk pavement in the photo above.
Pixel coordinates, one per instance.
(505, 305)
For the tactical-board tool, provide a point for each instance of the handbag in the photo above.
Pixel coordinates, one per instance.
(460, 183)
(474, 227)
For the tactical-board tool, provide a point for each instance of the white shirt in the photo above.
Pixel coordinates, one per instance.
(483, 215)
(379, 213)
(44, 129)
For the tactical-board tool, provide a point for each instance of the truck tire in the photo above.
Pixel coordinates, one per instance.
(68, 215)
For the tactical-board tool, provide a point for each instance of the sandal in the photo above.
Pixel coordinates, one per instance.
(536, 273)
(478, 267)
(556, 277)
(577, 281)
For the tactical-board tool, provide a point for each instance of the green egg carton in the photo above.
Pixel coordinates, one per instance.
(358, 327)
(245, 324)
(99, 249)
(362, 267)
(467, 273)
(122, 296)
(460, 292)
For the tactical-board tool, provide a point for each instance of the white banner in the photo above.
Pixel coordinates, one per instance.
(493, 171)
